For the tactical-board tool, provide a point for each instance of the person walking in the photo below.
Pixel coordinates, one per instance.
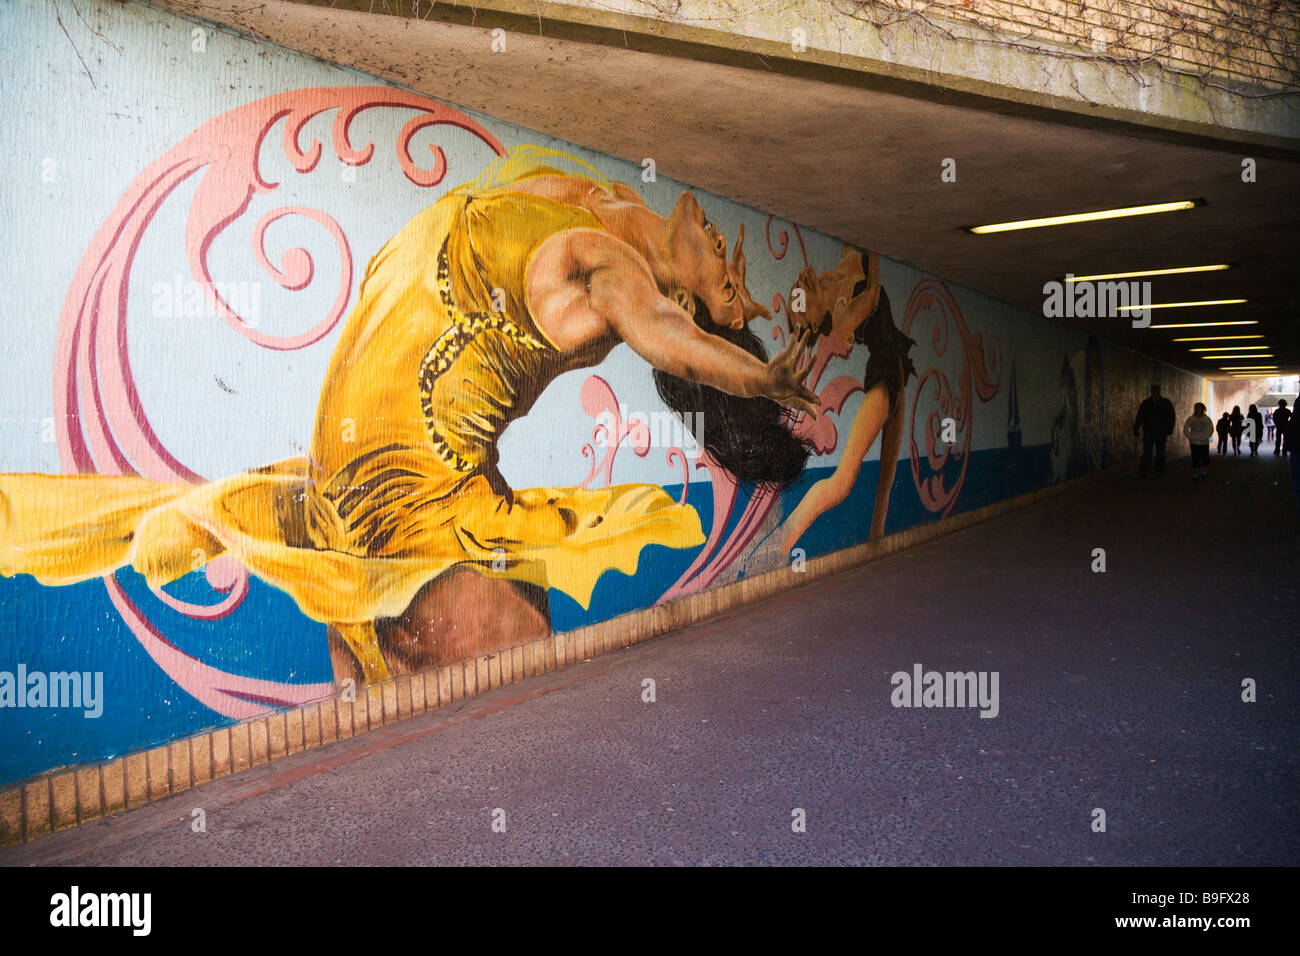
(1281, 418)
(1155, 419)
(1236, 425)
(1293, 436)
(1268, 423)
(1222, 426)
(1198, 430)
(1256, 431)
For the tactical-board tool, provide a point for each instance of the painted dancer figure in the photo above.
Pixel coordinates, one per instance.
(463, 318)
(849, 303)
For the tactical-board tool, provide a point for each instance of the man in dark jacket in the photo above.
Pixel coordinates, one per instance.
(1281, 419)
(1155, 419)
(1293, 436)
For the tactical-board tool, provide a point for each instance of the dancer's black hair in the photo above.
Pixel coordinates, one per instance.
(749, 437)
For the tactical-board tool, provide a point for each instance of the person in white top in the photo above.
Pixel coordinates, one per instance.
(1198, 430)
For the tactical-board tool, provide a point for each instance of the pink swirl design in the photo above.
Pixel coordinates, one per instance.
(718, 554)
(101, 425)
(784, 238)
(598, 399)
(680, 455)
(725, 492)
(294, 273)
(224, 575)
(934, 385)
(778, 299)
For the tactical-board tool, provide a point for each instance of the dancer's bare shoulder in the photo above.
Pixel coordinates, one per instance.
(576, 191)
(578, 279)
(572, 190)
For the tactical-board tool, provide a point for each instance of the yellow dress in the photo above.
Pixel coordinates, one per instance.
(438, 356)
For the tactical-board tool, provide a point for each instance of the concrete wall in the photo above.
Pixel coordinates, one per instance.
(154, 170)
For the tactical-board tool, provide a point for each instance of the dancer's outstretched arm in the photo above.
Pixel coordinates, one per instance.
(666, 337)
(585, 285)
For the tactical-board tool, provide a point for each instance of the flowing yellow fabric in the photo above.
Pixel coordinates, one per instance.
(439, 354)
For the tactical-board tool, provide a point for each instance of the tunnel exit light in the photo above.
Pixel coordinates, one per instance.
(1070, 219)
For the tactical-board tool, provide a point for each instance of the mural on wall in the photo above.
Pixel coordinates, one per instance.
(941, 475)
(463, 319)
(842, 307)
(556, 393)
(1078, 435)
(1100, 391)
(848, 306)
(537, 267)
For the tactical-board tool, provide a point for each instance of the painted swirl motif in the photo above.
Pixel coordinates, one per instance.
(979, 373)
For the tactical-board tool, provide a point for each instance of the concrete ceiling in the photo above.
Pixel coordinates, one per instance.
(861, 161)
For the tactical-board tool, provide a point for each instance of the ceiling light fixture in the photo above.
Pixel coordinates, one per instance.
(1179, 305)
(1203, 325)
(1217, 338)
(1151, 272)
(1228, 348)
(1077, 217)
